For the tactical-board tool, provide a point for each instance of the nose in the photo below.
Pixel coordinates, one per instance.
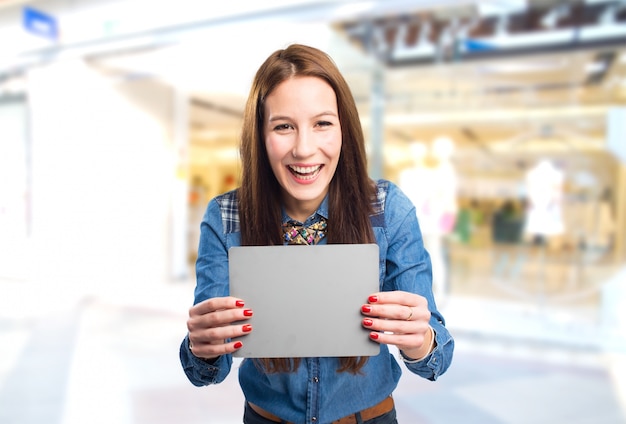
(304, 145)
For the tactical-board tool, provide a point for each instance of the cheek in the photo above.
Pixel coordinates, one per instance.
(277, 149)
(332, 145)
(273, 148)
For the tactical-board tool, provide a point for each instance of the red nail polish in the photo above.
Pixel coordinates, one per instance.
(367, 322)
(239, 303)
(247, 313)
(367, 309)
(374, 336)
(246, 328)
(238, 345)
(373, 299)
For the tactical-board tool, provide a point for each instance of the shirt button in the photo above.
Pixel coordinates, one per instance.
(316, 380)
(314, 419)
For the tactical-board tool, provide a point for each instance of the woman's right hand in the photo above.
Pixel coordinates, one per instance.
(214, 321)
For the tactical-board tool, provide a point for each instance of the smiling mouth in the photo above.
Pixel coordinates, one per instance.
(305, 172)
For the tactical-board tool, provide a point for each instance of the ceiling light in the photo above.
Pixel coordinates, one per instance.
(416, 52)
(595, 67)
(552, 18)
(488, 9)
(522, 67)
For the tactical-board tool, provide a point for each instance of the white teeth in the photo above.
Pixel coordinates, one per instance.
(305, 172)
(304, 169)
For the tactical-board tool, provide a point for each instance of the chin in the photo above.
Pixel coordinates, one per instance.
(308, 193)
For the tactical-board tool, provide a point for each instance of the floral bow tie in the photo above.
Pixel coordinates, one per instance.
(299, 234)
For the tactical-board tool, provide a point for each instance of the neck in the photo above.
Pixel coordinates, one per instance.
(301, 210)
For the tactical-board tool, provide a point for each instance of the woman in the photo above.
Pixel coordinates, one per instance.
(304, 160)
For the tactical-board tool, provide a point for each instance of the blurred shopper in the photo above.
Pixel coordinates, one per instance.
(507, 228)
(304, 161)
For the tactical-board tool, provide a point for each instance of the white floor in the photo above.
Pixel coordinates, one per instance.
(76, 356)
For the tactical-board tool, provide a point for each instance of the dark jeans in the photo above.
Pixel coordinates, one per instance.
(251, 417)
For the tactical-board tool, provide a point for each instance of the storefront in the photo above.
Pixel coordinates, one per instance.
(179, 98)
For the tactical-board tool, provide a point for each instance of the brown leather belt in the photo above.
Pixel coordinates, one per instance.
(367, 414)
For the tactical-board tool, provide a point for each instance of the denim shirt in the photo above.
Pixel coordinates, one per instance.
(316, 392)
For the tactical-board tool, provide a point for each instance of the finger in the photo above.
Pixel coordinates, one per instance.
(395, 326)
(218, 319)
(397, 297)
(216, 304)
(218, 335)
(407, 341)
(396, 312)
(209, 351)
(410, 313)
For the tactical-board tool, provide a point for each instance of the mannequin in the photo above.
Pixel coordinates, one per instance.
(544, 186)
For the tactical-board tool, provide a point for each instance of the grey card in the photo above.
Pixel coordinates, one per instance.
(306, 299)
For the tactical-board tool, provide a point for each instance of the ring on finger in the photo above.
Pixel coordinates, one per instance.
(410, 314)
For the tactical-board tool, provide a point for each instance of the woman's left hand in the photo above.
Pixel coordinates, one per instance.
(399, 318)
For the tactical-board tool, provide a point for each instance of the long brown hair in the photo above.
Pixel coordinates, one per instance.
(351, 191)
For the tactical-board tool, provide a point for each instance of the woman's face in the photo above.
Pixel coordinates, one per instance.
(303, 141)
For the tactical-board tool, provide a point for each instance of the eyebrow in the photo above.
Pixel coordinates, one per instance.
(285, 117)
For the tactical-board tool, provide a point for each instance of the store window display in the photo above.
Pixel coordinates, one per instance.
(431, 184)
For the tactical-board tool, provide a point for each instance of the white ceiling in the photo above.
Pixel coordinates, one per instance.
(487, 106)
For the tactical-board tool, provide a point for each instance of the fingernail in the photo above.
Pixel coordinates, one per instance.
(366, 308)
(246, 328)
(239, 303)
(367, 322)
(238, 345)
(247, 313)
(373, 299)
(374, 336)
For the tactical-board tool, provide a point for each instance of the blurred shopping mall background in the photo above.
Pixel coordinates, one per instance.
(505, 121)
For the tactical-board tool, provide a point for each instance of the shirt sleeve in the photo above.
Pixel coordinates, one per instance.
(201, 372)
(212, 281)
(408, 268)
(435, 364)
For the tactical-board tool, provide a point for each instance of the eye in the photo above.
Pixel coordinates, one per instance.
(283, 127)
(324, 124)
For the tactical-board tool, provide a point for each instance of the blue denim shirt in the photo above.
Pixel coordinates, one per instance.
(315, 392)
